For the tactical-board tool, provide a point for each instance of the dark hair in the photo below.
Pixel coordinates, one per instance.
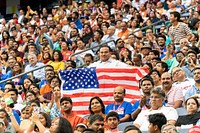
(73, 64)
(89, 55)
(10, 83)
(64, 126)
(180, 52)
(131, 127)
(56, 77)
(149, 64)
(47, 118)
(156, 58)
(195, 99)
(23, 84)
(100, 101)
(36, 102)
(30, 91)
(112, 114)
(100, 32)
(158, 119)
(163, 65)
(7, 116)
(59, 54)
(154, 70)
(34, 84)
(155, 52)
(48, 69)
(66, 99)
(146, 79)
(76, 13)
(88, 130)
(13, 89)
(95, 117)
(105, 46)
(192, 51)
(176, 15)
(162, 36)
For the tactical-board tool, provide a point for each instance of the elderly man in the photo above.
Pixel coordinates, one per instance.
(110, 36)
(106, 61)
(38, 74)
(120, 106)
(180, 80)
(156, 99)
(174, 96)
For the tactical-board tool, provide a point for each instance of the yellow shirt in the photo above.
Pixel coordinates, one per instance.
(57, 65)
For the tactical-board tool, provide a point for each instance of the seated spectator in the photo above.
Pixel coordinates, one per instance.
(169, 128)
(156, 121)
(155, 75)
(161, 67)
(156, 99)
(96, 122)
(112, 120)
(57, 61)
(80, 128)
(132, 129)
(193, 116)
(193, 91)
(123, 108)
(96, 106)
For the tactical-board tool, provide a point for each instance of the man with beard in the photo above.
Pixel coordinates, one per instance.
(96, 122)
(194, 91)
(66, 110)
(174, 96)
(146, 84)
(120, 106)
(156, 99)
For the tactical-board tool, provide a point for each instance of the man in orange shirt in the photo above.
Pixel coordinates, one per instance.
(66, 110)
(123, 34)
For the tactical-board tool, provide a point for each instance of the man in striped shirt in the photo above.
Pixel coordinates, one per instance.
(178, 30)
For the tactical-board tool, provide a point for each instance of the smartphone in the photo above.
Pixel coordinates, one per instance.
(36, 110)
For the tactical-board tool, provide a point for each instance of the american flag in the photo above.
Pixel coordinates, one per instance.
(84, 83)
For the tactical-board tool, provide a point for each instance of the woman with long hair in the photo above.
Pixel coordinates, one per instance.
(57, 61)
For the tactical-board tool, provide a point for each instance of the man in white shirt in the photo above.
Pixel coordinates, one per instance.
(38, 74)
(105, 60)
(110, 36)
(156, 99)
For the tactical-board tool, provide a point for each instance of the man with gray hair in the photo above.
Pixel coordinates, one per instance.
(33, 63)
(157, 98)
(168, 128)
(110, 36)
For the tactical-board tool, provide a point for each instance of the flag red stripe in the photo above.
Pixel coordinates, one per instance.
(108, 94)
(115, 85)
(131, 76)
(128, 78)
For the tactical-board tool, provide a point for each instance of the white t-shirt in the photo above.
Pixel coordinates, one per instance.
(142, 119)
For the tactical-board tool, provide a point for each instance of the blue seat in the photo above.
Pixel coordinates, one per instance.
(122, 126)
(181, 111)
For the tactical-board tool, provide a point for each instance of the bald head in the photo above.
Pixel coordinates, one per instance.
(111, 30)
(119, 94)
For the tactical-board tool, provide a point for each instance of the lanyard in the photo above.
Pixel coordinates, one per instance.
(118, 107)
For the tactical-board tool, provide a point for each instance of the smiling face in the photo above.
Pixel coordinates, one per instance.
(166, 81)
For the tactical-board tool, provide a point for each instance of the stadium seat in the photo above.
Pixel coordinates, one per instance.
(122, 126)
(181, 111)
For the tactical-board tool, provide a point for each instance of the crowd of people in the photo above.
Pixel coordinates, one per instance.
(59, 38)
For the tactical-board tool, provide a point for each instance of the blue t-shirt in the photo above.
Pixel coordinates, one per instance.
(122, 110)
